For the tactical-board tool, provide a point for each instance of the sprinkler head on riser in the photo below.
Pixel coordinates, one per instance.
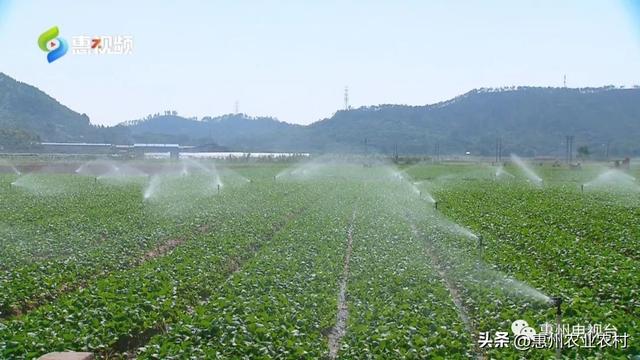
(557, 302)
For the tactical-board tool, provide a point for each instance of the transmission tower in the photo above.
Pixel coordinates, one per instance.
(346, 98)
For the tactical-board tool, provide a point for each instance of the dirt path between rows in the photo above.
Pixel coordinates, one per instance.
(340, 329)
(462, 310)
(128, 346)
(163, 249)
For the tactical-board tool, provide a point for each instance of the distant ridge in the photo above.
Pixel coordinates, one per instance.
(532, 121)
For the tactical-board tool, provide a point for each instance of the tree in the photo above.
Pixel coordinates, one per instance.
(16, 139)
(583, 152)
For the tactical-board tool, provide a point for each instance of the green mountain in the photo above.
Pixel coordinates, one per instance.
(529, 121)
(234, 131)
(24, 107)
(28, 115)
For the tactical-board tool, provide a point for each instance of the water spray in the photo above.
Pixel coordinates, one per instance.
(528, 172)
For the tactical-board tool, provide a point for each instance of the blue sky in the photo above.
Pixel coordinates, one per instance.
(292, 59)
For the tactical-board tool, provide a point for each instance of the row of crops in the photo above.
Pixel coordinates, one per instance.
(254, 270)
(579, 245)
(565, 243)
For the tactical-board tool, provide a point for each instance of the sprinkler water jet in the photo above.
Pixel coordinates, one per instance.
(528, 172)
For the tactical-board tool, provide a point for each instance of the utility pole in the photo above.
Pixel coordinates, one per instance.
(426, 144)
(607, 152)
(237, 107)
(569, 148)
(498, 149)
(564, 82)
(395, 152)
(366, 149)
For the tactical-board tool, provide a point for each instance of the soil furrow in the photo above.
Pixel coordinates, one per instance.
(462, 310)
(128, 345)
(340, 329)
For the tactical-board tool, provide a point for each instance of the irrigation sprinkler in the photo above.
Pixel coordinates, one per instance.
(557, 302)
(435, 204)
(218, 189)
(582, 188)
(480, 249)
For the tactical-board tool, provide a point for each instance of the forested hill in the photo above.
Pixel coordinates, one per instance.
(25, 107)
(27, 114)
(529, 120)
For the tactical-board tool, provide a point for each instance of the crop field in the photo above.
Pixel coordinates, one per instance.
(324, 259)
